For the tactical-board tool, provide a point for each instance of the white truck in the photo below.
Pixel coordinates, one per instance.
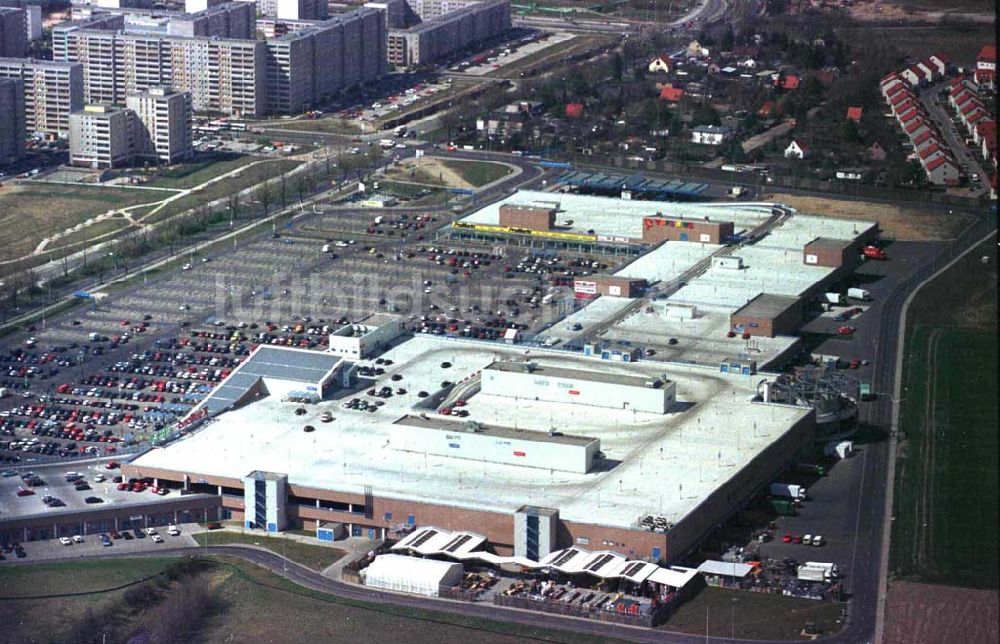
(788, 490)
(818, 571)
(326, 248)
(859, 294)
(840, 449)
(834, 298)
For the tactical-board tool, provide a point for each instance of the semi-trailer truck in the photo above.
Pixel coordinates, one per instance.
(784, 507)
(834, 298)
(789, 490)
(859, 294)
(818, 571)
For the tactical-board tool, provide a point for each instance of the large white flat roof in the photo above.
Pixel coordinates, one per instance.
(688, 452)
(623, 217)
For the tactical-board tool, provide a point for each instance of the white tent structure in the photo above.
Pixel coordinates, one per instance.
(412, 575)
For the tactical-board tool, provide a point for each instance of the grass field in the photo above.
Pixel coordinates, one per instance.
(189, 175)
(753, 615)
(247, 604)
(250, 177)
(450, 173)
(315, 557)
(31, 212)
(945, 527)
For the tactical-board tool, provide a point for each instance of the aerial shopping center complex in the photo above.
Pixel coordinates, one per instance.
(573, 438)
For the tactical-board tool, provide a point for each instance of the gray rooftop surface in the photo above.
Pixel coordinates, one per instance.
(495, 430)
(576, 374)
(767, 305)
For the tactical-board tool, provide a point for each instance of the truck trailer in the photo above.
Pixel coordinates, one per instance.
(788, 490)
(834, 298)
(784, 507)
(817, 571)
(859, 294)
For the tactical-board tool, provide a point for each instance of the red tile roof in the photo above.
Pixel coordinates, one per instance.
(933, 165)
(671, 94)
(574, 110)
(987, 128)
(987, 54)
(975, 117)
(923, 136)
(915, 125)
(766, 109)
(909, 116)
(970, 106)
(854, 114)
(929, 150)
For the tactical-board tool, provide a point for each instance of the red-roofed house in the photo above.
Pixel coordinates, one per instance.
(893, 90)
(929, 153)
(986, 128)
(912, 75)
(916, 127)
(908, 116)
(941, 171)
(888, 79)
(789, 82)
(923, 137)
(902, 102)
(796, 150)
(854, 114)
(969, 107)
(766, 110)
(661, 64)
(940, 62)
(959, 101)
(574, 110)
(926, 68)
(960, 85)
(986, 67)
(973, 117)
(990, 149)
(671, 94)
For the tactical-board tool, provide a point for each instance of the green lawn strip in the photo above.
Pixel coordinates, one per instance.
(962, 549)
(311, 556)
(31, 580)
(283, 606)
(192, 174)
(221, 189)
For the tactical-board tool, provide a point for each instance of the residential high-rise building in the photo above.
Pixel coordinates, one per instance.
(315, 63)
(163, 128)
(302, 9)
(64, 48)
(13, 32)
(52, 89)
(222, 75)
(12, 130)
(100, 136)
(225, 20)
(445, 26)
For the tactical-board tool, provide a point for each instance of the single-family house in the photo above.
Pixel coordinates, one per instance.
(787, 81)
(662, 64)
(926, 68)
(766, 110)
(912, 75)
(941, 63)
(930, 152)
(710, 134)
(916, 127)
(974, 117)
(574, 110)
(850, 174)
(941, 171)
(854, 114)
(986, 66)
(985, 128)
(923, 137)
(908, 116)
(695, 50)
(796, 150)
(671, 94)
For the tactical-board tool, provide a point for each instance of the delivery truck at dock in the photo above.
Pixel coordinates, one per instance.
(788, 490)
(859, 294)
(834, 298)
(783, 507)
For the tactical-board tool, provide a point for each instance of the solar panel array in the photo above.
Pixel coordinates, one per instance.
(271, 362)
(422, 539)
(598, 561)
(457, 542)
(569, 554)
(659, 188)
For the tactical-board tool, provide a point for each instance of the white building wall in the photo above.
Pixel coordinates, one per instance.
(565, 457)
(538, 386)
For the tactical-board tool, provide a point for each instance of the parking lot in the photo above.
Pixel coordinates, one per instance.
(125, 541)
